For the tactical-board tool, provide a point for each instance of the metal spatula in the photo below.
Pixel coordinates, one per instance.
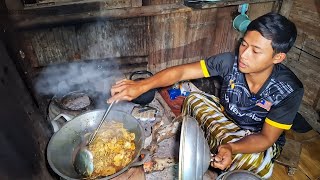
(83, 162)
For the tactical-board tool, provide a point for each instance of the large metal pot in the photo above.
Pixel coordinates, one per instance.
(65, 143)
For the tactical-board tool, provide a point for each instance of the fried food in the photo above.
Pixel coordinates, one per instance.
(112, 149)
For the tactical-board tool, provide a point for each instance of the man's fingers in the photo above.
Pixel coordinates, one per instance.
(116, 90)
(119, 97)
(122, 80)
(217, 158)
(219, 165)
(125, 82)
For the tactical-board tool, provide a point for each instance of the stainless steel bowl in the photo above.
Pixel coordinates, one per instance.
(238, 175)
(194, 153)
(65, 143)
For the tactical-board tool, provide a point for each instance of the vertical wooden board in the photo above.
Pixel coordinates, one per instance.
(136, 3)
(115, 38)
(301, 37)
(28, 50)
(310, 91)
(89, 41)
(305, 15)
(259, 9)
(195, 34)
(225, 35)
(286, 8)
(317, 108)
(166, 39)
(201, 33)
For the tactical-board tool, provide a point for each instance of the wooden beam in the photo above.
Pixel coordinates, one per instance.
(225, 3)
(29, 20)
(53, 16)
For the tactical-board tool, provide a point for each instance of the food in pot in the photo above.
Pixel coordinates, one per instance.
(112, 149)
(75, 101)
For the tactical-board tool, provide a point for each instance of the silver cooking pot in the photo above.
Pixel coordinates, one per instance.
(66, 142)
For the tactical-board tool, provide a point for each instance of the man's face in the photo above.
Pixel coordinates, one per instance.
(255, 53)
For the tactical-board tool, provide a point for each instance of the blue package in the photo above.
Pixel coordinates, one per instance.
(174, 93)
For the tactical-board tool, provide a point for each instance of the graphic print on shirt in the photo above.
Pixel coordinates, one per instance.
(240, 104)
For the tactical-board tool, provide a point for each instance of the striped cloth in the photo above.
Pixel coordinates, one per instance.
(220, 130)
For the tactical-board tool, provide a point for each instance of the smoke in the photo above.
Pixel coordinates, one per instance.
(95, 77)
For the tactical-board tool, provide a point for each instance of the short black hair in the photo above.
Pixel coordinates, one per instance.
(277, 28)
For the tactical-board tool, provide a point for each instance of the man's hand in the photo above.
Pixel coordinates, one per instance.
(223, 158)
(125, 90)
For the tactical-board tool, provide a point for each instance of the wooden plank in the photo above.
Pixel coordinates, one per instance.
(280, 172)
(136, 3)
(225, 3)
(311, 63)
(175, 39)
(286, 8)
(310, 159)
(312, 46)
(28, 20)
(158, 2)
(103, 3)
(257, 10)
(167, 40)
(290, 154)
(305, 15)
(69, 14)
(301, 37)
(88, 41)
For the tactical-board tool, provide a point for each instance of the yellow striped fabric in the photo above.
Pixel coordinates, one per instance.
(219, 129)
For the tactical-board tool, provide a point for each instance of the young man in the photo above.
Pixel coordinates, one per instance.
(259, 96)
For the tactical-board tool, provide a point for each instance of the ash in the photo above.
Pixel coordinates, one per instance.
(162, 141)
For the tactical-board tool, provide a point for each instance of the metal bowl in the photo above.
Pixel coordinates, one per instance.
(65, 143)
(194, 153)
(239, 175)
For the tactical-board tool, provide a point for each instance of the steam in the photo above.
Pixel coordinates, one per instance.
(95, 77)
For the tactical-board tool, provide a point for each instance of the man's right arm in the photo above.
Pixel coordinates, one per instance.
(129, 90)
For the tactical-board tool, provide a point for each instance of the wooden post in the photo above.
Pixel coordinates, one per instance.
(286, 7)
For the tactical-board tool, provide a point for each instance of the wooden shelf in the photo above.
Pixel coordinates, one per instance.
(86, 12)
(223, 3)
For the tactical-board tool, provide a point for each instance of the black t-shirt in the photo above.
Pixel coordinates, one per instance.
(276, 103)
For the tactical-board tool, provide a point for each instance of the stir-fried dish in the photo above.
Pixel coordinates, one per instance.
(112, 149)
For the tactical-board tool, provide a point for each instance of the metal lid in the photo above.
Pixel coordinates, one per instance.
(194, 153)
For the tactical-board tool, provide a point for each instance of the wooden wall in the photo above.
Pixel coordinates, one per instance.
(153, 42)
(304, 58)
(188, 37)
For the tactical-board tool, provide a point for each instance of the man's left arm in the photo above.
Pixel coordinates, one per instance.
(253, 143)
